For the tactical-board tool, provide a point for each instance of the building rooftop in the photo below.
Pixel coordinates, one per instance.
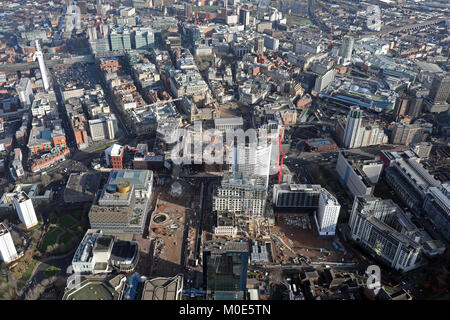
(163, 288)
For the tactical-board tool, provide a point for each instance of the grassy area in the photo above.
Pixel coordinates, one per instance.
(77, 213)
(65, 238)
(292, 20)
(3, 279)
(50, 238)
(207, 8)
(36, 226)
(106, 145)
(27, 274)
(52, 271)
(67, 221)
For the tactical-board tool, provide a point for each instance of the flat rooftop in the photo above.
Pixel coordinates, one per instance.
(92, 290)
(163, 288)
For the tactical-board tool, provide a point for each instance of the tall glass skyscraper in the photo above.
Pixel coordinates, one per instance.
(225, 266)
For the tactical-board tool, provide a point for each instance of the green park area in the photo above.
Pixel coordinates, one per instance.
(104, 146)
(207, 8)
(27, 274)
(292, 20)
(52, 271)
(66, 221)
(51, 238)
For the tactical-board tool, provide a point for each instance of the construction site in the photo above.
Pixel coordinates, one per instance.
(170, 226)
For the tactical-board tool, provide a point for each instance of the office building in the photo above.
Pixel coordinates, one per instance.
(244, 17)
(308, 198)
(438, 94)
(120, 39)
(163, 288)
(253, 160)
(440, 88)
(225, 265)
(188, 9)
(292, 196)
(25, 92)
(405, 134)
(357, 174)
(259, 45)
(225, 124)
(437, 208)
(8, 251)
(346, 49)
(409, 179)
(383, 229)
(114, 156)
(271, 43)
(327, 214)
(408, 105)
(323, 80)
(422, 149)
(25, 209)
(122, 205)
(353, 128)
(240, 193)
(143, 38)
(103, 128)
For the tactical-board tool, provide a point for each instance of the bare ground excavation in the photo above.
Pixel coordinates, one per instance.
(307, 243)
(167, 227)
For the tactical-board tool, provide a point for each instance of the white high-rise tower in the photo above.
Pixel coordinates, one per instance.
(353, 128)
(327, 213)
(25, 209)
(42, 66)
(7, 249)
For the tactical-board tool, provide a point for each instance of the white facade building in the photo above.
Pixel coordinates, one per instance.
(25, 209)
(352, 131)
(7, 249)
(327, 214)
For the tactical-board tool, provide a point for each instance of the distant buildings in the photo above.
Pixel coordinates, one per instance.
(346, 49)
(225, 266)
(383, 229)
(8, 251)
(406, 134)
(25, 209)
(438, 95)
(357, 135)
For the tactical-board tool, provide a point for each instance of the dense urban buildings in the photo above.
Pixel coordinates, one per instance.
(249, 150)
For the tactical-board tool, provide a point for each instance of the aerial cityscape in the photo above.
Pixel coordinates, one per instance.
(225, 150)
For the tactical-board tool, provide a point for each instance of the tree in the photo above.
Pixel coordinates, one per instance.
(57, 177)
(45, 179)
